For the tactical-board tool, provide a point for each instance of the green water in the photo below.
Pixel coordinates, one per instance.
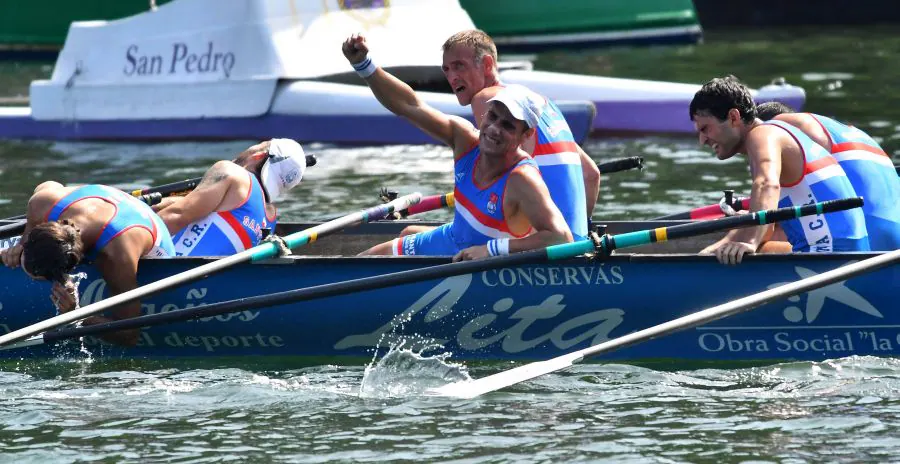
(251, 411)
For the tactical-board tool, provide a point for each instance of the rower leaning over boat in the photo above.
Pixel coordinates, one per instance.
(106, 226)
(232, 206)
(502, 204)
(870, 170)
(572, 177)
(787, 168)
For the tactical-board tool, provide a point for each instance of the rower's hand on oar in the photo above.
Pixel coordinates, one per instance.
(355, 48)
(730, 253)
(63, 296)
(12, 256)
(474, 252)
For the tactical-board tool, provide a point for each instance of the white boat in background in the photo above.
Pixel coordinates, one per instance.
(254, 69)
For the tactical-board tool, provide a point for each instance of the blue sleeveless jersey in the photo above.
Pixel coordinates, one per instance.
(224, 233)
(478, 215)
(874, 178)
(130, 212)
(556, 154)
(823, 179)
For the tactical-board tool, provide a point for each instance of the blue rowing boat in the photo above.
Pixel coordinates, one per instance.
(516, 313)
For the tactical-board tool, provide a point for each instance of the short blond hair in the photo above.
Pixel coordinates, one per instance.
(475, 39)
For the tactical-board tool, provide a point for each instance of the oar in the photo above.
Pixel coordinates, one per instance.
(553, 253)
(257, 253)
(153, 195)
(715, 211)
(704, 213)
(150, 196)
(520, 374)
(433, 202)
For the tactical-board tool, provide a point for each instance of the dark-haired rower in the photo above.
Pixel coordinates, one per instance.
(787, 167)
(869, 168)
(106, 225)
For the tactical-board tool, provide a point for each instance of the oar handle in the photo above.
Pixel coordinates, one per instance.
(624, 164)
(758, 218)
(168, 189)
(433, 202)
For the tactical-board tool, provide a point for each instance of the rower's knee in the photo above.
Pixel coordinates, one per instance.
(410, 230)
(775, 247)
(382, 249)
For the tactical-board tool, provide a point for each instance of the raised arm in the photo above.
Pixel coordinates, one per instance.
(223, 180)
(400, 99)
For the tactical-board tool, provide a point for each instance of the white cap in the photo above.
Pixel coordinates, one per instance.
(522, 103)
(284, 168)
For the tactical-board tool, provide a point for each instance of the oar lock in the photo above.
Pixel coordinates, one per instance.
(730, 204)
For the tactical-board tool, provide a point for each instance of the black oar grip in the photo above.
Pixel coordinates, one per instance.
(760, 218)
(828, 206)
(624, 164)
(151, 199)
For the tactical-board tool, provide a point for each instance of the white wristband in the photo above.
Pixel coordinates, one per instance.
(365, 68)
(498, 247)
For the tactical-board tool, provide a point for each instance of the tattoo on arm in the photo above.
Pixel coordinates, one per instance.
(215, 174)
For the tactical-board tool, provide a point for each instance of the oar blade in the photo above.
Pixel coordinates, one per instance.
(527, 372)
(474, 388)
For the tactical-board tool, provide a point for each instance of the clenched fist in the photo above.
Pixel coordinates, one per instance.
(355, 48)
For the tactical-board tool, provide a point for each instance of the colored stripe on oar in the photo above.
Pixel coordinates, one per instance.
(704, 213)
(169, 189)
(433, 202)
(259, 252)
(552, 253)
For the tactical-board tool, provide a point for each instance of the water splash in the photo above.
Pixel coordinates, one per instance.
(402, 372)
(75, 280)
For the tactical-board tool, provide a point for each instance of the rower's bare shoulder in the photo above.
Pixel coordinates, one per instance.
(465, 136)
(765, 136)
(45, 196)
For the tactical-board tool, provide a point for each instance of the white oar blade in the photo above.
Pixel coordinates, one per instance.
(513, 376)
(500, 380)
(31, 341)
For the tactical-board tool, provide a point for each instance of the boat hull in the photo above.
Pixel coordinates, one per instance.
(28, 30)
(535, 25)
(301, 115)
(524, 312)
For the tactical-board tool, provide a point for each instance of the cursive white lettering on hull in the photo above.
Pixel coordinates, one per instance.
(482, 330)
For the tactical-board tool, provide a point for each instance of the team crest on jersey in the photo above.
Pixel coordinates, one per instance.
(492, 203)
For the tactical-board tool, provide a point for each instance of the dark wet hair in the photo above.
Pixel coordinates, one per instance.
(53, 249)
(769, 110)
(718, 96)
